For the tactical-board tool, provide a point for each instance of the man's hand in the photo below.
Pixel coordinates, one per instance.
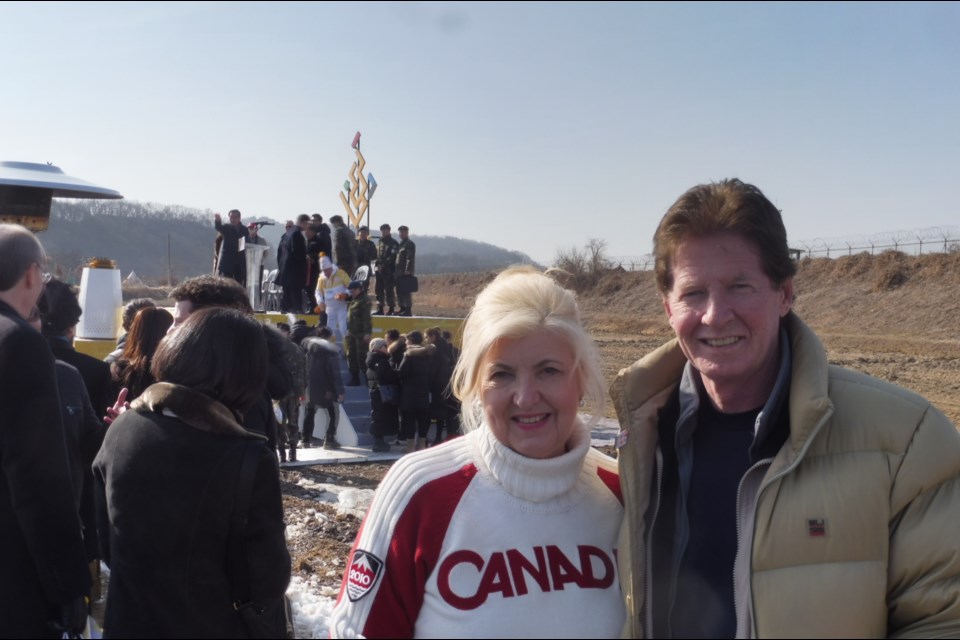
(118, 407)
(216, 217)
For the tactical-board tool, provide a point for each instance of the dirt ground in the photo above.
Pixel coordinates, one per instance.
(892, 316)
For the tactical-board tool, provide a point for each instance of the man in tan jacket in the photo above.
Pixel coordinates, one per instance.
(767, 493)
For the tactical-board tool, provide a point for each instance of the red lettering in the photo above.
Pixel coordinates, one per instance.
(590, 581)
(443, 580)
(507, 573)
(495, 578)
(520, 564)
(561, 569)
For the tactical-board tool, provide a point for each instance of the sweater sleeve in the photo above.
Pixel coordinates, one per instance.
(398, 546)
(924, 568)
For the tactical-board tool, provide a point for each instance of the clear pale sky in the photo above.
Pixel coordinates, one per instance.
(530, 126)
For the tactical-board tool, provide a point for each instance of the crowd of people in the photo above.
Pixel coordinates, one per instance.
(407, 375)
(758, 491)
(315, 263)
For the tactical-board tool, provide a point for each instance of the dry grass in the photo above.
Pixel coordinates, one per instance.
(892, 315)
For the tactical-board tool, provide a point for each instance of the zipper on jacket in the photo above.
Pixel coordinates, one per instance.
(763, 487)
(739, 511)
(648, 551)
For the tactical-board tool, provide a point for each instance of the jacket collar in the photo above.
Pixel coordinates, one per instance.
(9, 311)
(809, 400)
(809, 404)
(192, 407)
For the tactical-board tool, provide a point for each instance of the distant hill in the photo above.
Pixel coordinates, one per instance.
(137, 235)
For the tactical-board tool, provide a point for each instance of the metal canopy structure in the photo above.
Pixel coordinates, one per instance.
(27, 190)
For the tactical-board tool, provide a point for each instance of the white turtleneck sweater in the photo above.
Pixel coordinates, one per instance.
(471, 539)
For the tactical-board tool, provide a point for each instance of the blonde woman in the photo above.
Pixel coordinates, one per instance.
(511, 530)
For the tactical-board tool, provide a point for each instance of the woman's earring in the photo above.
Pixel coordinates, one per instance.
(581, 402)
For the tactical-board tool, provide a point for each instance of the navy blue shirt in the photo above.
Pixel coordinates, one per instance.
(704, 605)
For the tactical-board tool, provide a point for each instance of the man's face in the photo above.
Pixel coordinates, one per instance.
(385, 232)
(234, 218)
(288, 225)
(726, 313)
(328, 272)
(404, 233)
(43, 277)
(364, 234)
(181, 311)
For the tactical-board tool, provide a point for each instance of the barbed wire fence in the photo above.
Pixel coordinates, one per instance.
(929, 240)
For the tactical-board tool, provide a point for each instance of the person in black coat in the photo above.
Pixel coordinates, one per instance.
(168, 474)
(84, 433)
(318, 242)
(324, 386)
(441, 372)
(292, 264)
(231, 261)
(60, 311)
(44, 577)
(415, 373)
(384, 415)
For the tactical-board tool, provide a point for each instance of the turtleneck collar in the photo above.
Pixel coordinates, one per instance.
(549, 482)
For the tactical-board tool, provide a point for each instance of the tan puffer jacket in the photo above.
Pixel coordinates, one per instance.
(857, 525)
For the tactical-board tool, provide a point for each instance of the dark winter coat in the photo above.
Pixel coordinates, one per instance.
(396, 350)
(324, 383)
(168, 486)
(415, 372)
(292, 260)
(83, 433)
(380, 370)
(260, 418)
(441, 372)
(230, 258)
(407, 258)
(366, 252)
(295, 361)
(385, 420)
(43, 561)
(95, 373)
(345, 249)
(323, 239)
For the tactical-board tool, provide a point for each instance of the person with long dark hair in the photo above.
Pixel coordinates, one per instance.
(131, 370)
(187, 549)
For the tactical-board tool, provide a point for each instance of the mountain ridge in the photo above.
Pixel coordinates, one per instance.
(144, 237)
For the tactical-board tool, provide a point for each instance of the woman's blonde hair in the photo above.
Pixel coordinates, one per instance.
(519, 302)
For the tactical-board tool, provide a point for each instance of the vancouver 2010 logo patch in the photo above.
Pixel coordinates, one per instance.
(363, 574)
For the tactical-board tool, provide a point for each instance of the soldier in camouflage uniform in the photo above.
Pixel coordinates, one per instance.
(359, 328)
(385, 268)
(406, 261)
